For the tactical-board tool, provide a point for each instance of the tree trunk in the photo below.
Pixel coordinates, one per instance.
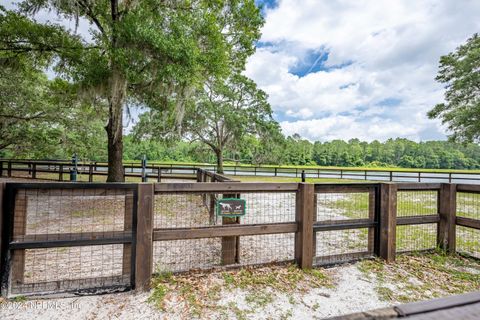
(115, 157)
(219, 154)
(114, 127)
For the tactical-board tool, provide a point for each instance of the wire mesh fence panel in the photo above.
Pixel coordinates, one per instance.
(49, 212)
(416, 237)
(468, 205)
(193, 210)
(68, 268)
(47, 217)
(207, 253)
(468, 241)
(417, 203)
(335, 246)
(341, 245)
(187, 210)
(269, 248)
(344, 206)
(183, 210)
(268, 207)
(184, 255)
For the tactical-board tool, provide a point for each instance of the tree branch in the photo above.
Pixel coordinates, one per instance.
(89, 13)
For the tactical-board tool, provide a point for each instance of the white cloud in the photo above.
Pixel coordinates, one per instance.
(390, 52)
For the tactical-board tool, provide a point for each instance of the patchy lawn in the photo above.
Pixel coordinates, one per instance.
(417, 277)
(216, 293)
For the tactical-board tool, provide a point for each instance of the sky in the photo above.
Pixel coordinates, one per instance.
(342, 69)
(358, 69)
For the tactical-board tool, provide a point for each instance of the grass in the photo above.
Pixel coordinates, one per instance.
(201, 293)
(266, 166)
(468, 241)
(286, 179)
(418, 276)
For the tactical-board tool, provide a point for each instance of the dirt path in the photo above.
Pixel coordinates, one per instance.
(353, 292)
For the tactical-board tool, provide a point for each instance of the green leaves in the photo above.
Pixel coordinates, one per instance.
(460, 72)
(148, 53)
(41, 117)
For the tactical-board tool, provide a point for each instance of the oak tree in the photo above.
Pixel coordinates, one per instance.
(149, 53)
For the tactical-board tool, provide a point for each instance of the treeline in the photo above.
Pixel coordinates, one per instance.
(297, 151)
(285, 151)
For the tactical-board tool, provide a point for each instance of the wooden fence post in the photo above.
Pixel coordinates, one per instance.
(2, 219)
(212, 204)
(159, 174)
(304, 218)
(19, 229)
(127, 226)
(314, 219)
(144, 238)
(90, 173)
(371, 216)
(447, 207)
(34, 171)
(388, 221)
(9, 169)
(230, 245)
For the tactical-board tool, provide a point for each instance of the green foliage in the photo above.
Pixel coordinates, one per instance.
(459, 71)
(224, 115)
(399, 153)
(296, 151)
(41, 117)
(147, 53)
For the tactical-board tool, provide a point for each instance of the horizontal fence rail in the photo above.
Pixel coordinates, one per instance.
(62, 168)
(102, 237)
(90, 172)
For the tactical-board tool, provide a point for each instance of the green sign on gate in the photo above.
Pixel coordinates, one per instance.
(231, 207)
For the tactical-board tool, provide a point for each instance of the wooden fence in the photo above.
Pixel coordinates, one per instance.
(88, 172)
(97, 237)
(62, 168)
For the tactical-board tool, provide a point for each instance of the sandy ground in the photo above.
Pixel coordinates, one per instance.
(353, 292)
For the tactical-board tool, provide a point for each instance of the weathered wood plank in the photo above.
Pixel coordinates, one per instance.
(226, 187)
(402, 186)
(371, 217)
(447, 207)
(304, 217)
(70, 240)
(329, 225)
(314, 220)
(127, 226)
(418, 219)
(223, 231)
(19, 229)
(344, 188)
(98, 235)
(144, 239)
(3, 204)
(474, 188)
(388, 224)
(468, 222)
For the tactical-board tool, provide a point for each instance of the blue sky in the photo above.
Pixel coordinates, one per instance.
(358, 69)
